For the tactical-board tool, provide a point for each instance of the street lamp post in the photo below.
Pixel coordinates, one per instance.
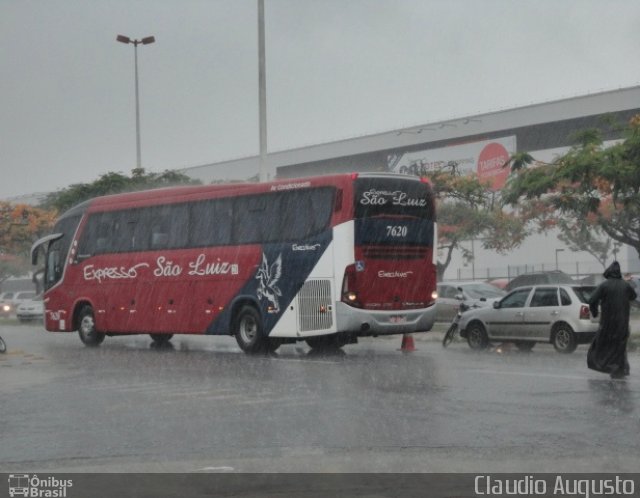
(557, 251)
(144, 41)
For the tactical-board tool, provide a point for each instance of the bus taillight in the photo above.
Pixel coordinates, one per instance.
(349, 292)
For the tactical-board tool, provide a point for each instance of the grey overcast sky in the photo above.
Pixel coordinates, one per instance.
(335, 69)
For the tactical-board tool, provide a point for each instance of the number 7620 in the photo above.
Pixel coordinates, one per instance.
(396, 231)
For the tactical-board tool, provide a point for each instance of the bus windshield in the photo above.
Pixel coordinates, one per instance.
(58, 249)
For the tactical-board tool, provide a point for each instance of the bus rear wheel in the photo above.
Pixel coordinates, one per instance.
(248, 331)
(87, 328)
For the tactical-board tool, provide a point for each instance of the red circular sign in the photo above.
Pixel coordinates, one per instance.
(490, 165)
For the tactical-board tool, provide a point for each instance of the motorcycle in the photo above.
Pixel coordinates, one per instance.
(453, 330)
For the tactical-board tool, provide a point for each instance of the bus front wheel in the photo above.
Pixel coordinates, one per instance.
(247, 329)
(87, 328)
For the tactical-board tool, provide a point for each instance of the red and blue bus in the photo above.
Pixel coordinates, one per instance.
(324, 260)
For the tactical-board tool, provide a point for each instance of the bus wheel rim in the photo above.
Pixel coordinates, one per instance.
(248, 329)
(87, 325)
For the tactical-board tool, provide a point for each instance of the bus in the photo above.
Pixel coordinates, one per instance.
(324, 260)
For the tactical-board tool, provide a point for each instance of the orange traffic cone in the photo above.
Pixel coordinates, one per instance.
(407, 343)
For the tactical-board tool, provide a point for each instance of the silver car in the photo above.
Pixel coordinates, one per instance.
(558, 314)
(473, 293)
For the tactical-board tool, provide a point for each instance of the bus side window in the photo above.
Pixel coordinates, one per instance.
(94, 237)
(168, 227)
(158, 236)
(124, 228)
(256, 219)
(178, 224)
(101, 244)
(296, 216)
(102, 238)
(209, 223)
(320, 204)
(270, 221)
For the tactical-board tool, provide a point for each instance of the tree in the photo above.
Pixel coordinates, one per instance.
(584, 235)
(469, 209)
(113, 183)
(590, 185)
(20, 226)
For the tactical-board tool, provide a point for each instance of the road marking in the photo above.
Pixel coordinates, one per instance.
(308, 361)
(529, 374)
(216, 469)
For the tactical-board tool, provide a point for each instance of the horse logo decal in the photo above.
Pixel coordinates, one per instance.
(268, 275)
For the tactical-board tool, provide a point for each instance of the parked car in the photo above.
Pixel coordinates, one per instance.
(538, 278)
(5, 307)
(594, 279)
(634, 280)
(32, 309)
(9, 301)
(558, 314)
(500, 283)
(473, 293)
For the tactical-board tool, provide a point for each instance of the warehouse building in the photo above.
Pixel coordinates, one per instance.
(480, 143)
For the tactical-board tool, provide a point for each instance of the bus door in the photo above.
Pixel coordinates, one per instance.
(165, 306)
(166, 292)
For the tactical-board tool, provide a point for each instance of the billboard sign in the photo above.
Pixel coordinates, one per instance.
(485, 158)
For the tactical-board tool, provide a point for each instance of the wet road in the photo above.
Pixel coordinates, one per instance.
(205, 406)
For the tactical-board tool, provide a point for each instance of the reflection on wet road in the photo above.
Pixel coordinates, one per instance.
(202, 405)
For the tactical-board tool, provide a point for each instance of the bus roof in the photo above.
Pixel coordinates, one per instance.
(170, 195)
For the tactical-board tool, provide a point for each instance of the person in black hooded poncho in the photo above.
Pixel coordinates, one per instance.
(608, 351)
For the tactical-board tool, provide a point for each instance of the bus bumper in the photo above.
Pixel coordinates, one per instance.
(371, 322)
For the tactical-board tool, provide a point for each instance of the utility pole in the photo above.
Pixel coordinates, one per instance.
(262, 94)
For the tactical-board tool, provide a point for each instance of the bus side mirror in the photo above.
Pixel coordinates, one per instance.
(34, 256)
